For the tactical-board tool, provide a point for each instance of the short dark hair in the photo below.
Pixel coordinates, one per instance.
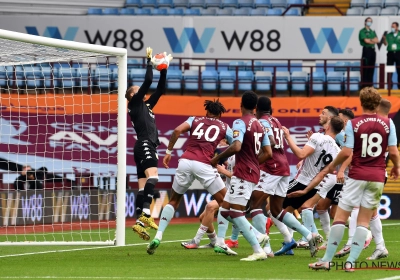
(347, 112)
(249, 100)
(396, 23)
(336, 124)
(385, 106)
(334, 111)
(214, 107)
(264, 105)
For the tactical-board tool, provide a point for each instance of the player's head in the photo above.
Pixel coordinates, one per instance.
(25, 168)
(384, 108)
(249, 101)
(345, 115)
(370, 99)
(214, 108)
(336, 125)
(131, 91)
(263, 106)
(326, 114)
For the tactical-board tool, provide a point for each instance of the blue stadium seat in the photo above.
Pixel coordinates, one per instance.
(143, 12)
(165, 3)
(245, 80)
(240, 65)
(389, 11)
(84, 77)
(133, 63)
(282, 80)
(246, 3)
(355, 79)
(242, 12)
(156, 78)
(191, 79)
(103, 77)
(341, 66)
(209, 12)
(34, 77)
(95, 11)
(127, 11)
(290, 2)
(192, 12)
(334, 81)
(318, 80)
(355, 11)
(299, 80)
(210, 65)
(375, 3)
(262, 4)
(159, 12)
(149, 3)
(227, 80)
(374, 11)
(176, 12)
(174, 79)
(111, 11)
(197, 3)
(274, 12)
(257, 66)
(278, 3)
(358, 3)
(133, 3)
(213, 3)
(355, 66)
(293, 12)
(180, 3)
(49, 74)
(136, 76)
(263, 80)
(66, 77)
(258, 12)
(392, 3)
(209, 79)
(229, 3)
(225, 12)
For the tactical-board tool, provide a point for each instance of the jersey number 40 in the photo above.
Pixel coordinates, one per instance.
(199, 132)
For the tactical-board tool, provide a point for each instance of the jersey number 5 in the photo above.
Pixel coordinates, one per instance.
(199, 132)
(257, 142)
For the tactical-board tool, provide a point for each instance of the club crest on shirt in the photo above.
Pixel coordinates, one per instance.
(236, 133)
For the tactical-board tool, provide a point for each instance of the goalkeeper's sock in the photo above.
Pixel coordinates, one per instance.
(166, 215)
(139, 203)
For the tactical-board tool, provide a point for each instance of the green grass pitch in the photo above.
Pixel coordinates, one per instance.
(171, 261)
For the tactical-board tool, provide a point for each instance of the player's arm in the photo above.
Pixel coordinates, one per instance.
(342, 169)
(327, 179)
(239, 129)
(393, 152)
(229, 135)
(182, 128)
(153, 99)
(266, 151)
(347, 149)
(148, 79)
(222, 170)
(268, 130)
(300, 153)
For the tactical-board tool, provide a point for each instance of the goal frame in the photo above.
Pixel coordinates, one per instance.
(121, 55)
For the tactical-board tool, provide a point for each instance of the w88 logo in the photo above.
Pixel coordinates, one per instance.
(384, 210)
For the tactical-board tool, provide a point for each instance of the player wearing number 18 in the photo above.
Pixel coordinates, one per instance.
(205, 134)
(368, 136)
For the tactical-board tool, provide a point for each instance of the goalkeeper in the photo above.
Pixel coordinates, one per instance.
(145, 153)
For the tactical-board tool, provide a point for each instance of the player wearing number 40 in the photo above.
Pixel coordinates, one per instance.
(205, 135)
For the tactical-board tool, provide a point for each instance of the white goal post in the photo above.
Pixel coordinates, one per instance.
(23, 52)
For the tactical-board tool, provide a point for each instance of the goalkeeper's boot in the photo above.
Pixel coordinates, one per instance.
(151, 248)
(147, 219)
(141, 231)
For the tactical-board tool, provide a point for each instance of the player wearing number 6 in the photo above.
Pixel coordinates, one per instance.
(205, 134)
(368, 136)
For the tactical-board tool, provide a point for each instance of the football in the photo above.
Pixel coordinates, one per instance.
(160, 61)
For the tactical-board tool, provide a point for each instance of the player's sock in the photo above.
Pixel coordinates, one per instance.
(291, 221)
(200, 233)
(376, 229)
(287, 236)
(213, 237)
(166, 215)
(258, 220)
(301, 217)
(235, 233)
(148, 193)
(335, 237)
(222, 225)
(352, 225)
(139, 203)
(308, 219)
(357, 244)
(291, 231)
(244, 225)
(325, 221)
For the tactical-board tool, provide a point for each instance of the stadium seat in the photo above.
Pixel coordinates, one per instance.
(49, 73)
(274, 12)
(241, 12)
(245, 80)
(282, 80)
(355, 66)
(355, 79)
(149, 3)
(240, 65)
(209, 79)
(213, 3)
(176, 12)
(318, 80)
(263, 80)
(95, 11)
(262, 4)
(111, 11)
(84, 77)
(156, 78)
(143, 12)
(103, 77)
(127, 12)
(227, 80)
(374, 11)
(355, 11)
(136, 76)
(293, 12)
(159, 12)
(180, 3)
(290, 2)
(191, 79)
(334, 81)
(133, 3)
(341, 66)
(224, 12)
(192, 12)
(209, 12)
(389, 11)
(196, 3)
(133, 63)
(299, 81)
(392, 3)
(34, 77)
(174, 79)
(358, 3)
(257, 66)
(375, 3)
(278, 3)
(165, 3)
(66, 78)
(258, 12)
(230, 3)
(246, 3)
(6, 72)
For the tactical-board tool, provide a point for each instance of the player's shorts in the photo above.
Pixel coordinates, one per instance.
(356, 193)
(239, 192)
(326, 185)
(296, 202)
(334, 194)
(145, 155)
(272, 184)
(189, 170)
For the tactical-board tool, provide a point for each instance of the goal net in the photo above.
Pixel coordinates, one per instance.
(62, 142)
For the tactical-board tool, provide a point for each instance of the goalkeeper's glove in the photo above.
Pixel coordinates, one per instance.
(149, 52)
(168, 56)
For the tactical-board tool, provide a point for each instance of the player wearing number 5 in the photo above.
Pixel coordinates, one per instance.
(368, 136)
(392, 41)
(205, 135)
